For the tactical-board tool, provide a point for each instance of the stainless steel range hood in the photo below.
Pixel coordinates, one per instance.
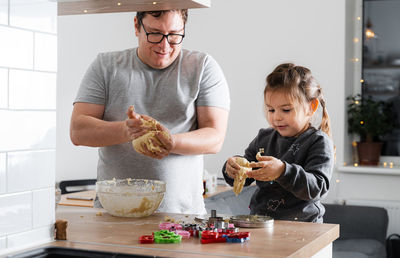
(71, 7)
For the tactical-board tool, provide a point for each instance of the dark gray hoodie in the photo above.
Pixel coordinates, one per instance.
(296, 194)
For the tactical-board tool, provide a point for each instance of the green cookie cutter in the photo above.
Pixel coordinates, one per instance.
(166, 237)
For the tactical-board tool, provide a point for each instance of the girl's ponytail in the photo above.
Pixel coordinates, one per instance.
(325, 121)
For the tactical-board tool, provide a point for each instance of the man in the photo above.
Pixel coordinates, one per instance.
(185, 91)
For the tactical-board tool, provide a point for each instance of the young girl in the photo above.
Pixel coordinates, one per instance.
(293, 174)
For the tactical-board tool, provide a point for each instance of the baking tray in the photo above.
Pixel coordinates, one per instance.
(252, 221)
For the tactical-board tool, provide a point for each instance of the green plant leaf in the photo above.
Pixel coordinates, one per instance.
(368, 118)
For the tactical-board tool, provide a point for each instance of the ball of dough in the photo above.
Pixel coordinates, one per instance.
(148, 138)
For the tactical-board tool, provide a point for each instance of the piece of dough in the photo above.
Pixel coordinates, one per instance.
(258, 155)
(241, 176)
(149, 137)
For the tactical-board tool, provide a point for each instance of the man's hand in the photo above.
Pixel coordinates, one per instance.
(159, 140)
(270, 168)
(134, 124)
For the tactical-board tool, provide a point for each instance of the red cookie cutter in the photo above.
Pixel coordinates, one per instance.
(207, 234)
(146, 239)
(239, 235)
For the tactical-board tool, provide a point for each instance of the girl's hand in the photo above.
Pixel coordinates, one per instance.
(232, 168)
(270, 168)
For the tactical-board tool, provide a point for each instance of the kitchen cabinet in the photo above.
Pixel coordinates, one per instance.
(71, 7)
(95, 229)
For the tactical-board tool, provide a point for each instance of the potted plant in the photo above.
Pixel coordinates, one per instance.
(370, 120)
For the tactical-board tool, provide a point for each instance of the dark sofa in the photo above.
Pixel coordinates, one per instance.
(362, 229)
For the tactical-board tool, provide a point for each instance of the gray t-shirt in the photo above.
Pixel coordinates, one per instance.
(297, 193)
(171, 95)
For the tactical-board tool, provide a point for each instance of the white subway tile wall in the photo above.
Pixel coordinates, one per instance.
(32, 90)
(3, 16)
(45, 52)
(16, 213)
(42, 211)
(29, 238)
(3, 167)
(3, 243)
(28, 65)
(25, 130)
(3, 88)
(16, 48)
(28, 170)
(35, 15)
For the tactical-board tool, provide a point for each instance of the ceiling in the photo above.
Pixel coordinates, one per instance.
(72, 7)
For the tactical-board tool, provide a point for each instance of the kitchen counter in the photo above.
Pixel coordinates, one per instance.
(95, 229)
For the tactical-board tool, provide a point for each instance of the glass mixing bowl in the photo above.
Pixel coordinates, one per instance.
(130, 197)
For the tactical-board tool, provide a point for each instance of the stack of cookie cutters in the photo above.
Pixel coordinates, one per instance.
(215, 222)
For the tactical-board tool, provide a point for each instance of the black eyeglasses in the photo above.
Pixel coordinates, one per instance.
(156, 37)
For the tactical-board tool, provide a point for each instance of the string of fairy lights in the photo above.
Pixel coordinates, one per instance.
(120, 4)
(356, 60)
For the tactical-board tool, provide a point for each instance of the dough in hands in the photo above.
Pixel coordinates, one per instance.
(241, 176)
(258, 155)
(149, 137)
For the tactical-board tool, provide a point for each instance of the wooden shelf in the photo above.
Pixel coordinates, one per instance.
(72, 7)
(374, 170)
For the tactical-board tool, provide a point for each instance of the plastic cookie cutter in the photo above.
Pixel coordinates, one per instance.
(230, 230)
(208, 237)
(237, 240)
(238, 237)
(183, 233)
(209, 234)
(146, 239)
(213, 240)
(169, 225)
(166, 237)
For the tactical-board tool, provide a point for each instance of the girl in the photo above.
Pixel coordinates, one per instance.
(293, 174)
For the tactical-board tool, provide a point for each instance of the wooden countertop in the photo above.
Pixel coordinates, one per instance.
(95, 229)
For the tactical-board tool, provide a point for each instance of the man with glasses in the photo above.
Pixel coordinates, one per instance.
(185, 91)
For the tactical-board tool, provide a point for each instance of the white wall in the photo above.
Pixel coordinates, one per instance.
(28, 65)
(81, 38)
(247, 38)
